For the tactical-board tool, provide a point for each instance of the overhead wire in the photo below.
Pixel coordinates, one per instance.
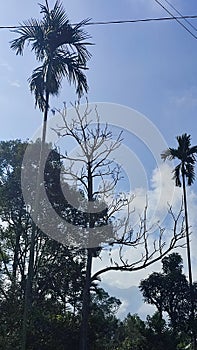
(176, 18)
(180, 14)
(142, 20)
(157, 19)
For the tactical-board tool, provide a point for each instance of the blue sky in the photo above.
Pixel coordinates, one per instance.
(150, 67)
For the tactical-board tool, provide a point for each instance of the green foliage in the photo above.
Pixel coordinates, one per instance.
(158, 335)
(58, 270)
(133, 333)
(169, 292)
(102, 321)
(59, 279)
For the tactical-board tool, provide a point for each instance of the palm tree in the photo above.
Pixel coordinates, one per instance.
(60, 47)
(184, 171)
(61, 50)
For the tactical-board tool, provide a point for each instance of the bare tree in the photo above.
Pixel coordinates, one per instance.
(108, 214)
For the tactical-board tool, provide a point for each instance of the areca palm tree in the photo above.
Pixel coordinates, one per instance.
(184, 173)
(61, 50)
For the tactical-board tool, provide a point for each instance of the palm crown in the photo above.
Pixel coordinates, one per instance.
(60, 47)
(187, 156)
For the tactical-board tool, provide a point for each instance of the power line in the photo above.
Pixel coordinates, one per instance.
(177, 19)
(179, 13)
(157, 19)
(142, 20)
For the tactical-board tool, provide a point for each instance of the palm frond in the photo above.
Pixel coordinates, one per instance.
(79, 32)
(58, 15)
(166, 155)
(187, 156)
(72, 39)
(81, 83)
(68, 65)
(37, 86)
(192, 151)
(77, 77)
(190, 159)
(189, 173)
(177, 174)
(55, 74)
(184, 142)
(59, 46)
(54, 19)
(175, 153)
(83, 54)
(79, 37)
(44, 8)
(32, 33)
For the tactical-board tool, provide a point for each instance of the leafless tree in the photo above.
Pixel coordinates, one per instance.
(108, 214)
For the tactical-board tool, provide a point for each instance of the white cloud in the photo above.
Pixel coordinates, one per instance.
(146, 309)
(148, 5)
(163, 191)
(6, 66)
(187, 99)
(159, 197)
(15, 84)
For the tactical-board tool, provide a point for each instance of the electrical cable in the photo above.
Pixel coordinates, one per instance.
(180, 14)
(176, 18)
(157, 19)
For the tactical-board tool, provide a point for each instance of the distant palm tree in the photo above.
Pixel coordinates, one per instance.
(61, 50)
(183, 172)
(60, 47)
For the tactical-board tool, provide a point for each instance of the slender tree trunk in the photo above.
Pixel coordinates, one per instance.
(86, 292)
(30, 273)
(28, 288)
(189, 262)
(86, 304)
(44, 127)
(160, 319)
(16, 254)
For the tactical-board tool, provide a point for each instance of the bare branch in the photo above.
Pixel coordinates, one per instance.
(152, 251)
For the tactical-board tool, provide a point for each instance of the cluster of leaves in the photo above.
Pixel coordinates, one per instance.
(169, 291)
(59, 271)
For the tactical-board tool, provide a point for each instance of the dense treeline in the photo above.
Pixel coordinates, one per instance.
(59, 277)
(58, 270)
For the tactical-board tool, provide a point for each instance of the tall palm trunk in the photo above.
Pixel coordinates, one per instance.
(30, 274)
(44, 127)
(189, 260)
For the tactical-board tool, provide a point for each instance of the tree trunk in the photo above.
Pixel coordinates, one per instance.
(16, 254)
(189, 262)
(30, 274)
(44, 127)
(28, 288)
(86, 292)
(86, 305)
